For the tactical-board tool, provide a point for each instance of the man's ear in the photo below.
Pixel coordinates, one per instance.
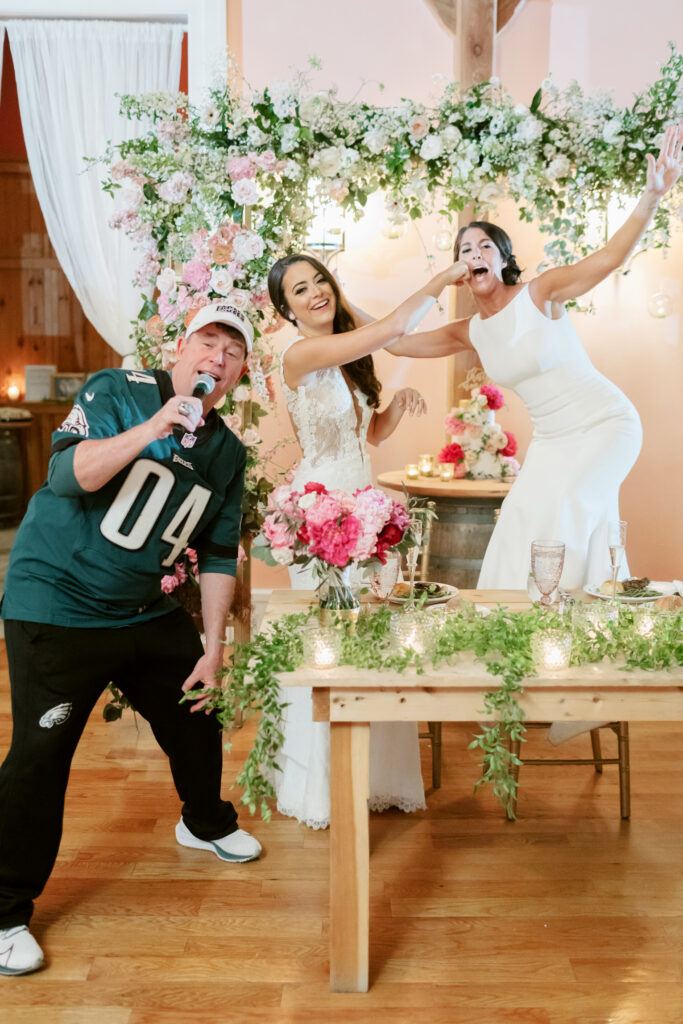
(181, 344)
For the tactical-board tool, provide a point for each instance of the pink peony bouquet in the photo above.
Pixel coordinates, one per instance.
(332, 528)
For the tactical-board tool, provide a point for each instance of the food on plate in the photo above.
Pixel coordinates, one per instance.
(636, 583)
(607, 588)
(421, 587)
(670, 603)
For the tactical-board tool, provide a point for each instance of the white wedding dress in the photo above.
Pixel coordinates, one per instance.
(587, 436)
(331, 423)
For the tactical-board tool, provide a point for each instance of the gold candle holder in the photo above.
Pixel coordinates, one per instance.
(425, 464)
(446, 471)
(412, 471)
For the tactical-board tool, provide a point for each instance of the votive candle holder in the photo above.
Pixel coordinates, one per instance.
(644, 622)
(409, 632)
(412, 471)
(551, 649)
(322, 646)
(446, 471)
(425, 465)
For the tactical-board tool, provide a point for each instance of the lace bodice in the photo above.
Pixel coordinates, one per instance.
(331, 422)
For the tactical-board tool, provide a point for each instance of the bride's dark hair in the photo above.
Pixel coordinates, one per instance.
(501, 240)
(361, 372)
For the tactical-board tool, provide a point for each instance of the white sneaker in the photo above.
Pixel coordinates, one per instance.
(238, 847)
(19, 951)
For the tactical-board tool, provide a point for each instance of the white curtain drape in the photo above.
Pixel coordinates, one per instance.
(68, 74)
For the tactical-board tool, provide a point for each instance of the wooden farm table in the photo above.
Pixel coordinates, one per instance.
(349, 700)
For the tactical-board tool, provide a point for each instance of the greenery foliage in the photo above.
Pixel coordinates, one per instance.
(501, 640)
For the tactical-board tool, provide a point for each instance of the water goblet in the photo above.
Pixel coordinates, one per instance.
(413, 551)
(547, 562)
(383, 578)
(616, 540)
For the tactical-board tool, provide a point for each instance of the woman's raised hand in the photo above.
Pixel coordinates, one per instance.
(411, 401)
(664, 172)
(459, 272)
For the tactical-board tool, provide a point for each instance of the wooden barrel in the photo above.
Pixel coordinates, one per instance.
(459, 538)
(11, 478)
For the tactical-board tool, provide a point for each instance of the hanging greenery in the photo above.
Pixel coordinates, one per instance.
(501, 640)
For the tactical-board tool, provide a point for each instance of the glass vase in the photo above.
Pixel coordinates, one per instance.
(339, 596)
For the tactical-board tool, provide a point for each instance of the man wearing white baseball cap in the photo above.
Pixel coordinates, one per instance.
(127, 492)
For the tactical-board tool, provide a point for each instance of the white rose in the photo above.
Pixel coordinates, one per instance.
(166, 281)
(490, 194)
(239, 297)
(241, 393)
(376, 140)
(470, 457)
(451, 136)
(247, 245)
(499, 440)
(560, 167)
(482, 400)
(245, 192)
(306, 500)
(328, 161)
(251, 437)
(432, 147)
(221, 281)
(312, 107)
(283, 556)
(418, 126)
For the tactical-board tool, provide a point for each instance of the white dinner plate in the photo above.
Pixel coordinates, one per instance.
(448, 593)
(624, 598)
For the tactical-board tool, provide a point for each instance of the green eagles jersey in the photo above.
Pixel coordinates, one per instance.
(91, 559)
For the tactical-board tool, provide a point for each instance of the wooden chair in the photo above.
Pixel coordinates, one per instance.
(622, 759)
(434, 734)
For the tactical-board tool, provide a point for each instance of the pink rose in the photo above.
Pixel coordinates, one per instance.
(239, 167)
(494, 397)
(168, 584)
(453, 425)
(511, 447)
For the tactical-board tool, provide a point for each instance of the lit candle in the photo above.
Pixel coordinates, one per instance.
(551, 649)
(446, 471)
(322, 647)
(426, 465)
(408, 633)
(13, 392)
(412, 471)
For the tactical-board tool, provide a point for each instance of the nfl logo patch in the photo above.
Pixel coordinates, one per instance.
(188, 440)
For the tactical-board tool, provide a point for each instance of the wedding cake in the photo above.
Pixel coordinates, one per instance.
(480, 449)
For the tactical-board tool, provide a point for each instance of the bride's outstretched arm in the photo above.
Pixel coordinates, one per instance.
(323, 351)
(384, 423)
(443, 341)
(563, 283)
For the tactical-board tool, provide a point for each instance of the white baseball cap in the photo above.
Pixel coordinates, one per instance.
(223, 313)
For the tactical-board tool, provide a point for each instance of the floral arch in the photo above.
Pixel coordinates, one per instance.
(213, 195)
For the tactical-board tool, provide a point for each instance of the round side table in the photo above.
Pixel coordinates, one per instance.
(460, 535)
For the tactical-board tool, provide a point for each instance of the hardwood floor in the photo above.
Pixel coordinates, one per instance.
(568, 916)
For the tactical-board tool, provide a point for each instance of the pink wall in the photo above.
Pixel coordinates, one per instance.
(400, 43)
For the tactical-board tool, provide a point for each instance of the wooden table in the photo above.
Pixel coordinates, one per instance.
(349, 701)
(465, 519)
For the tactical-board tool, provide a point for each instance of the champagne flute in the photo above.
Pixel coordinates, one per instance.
(547, 562)
(413, 551)
(616, 540)
(383, 577)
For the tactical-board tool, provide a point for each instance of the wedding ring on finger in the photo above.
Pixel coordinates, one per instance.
(184, 408)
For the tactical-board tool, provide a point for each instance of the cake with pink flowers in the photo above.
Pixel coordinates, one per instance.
(480, 449)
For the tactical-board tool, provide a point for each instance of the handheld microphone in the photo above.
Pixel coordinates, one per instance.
(203, 385)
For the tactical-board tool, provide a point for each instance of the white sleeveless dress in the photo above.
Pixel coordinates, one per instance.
(587, 436)
(332, 424)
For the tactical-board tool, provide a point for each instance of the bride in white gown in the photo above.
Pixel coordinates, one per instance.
(332, 396)
(587, 434)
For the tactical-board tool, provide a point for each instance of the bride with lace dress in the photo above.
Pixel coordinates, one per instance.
(332, 396)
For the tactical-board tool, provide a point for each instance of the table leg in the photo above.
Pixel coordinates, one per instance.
(349, 856)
